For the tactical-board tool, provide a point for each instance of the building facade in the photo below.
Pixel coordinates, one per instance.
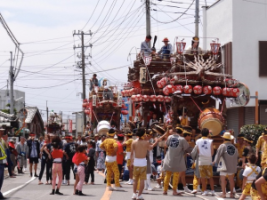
(19, 99)
(241, 27)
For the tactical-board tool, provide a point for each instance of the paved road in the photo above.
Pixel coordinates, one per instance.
(25, 188)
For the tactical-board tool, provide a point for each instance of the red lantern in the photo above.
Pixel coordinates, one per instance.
(145, 98)
(180, 47)
(166, 91)
(226, 91)
(170, 89)
(167, 99)
(161, 83)
(178, 87)
(235, 92)
(123, 106)
(197, 89)
(85, 100)
(188, 89)
(153, 98)
(217, 90)
(207, 89)
(160, 98)
(84, 105)
(215, 47)
(134, 98)
(172, 81)
(124, 112)
(139, 97)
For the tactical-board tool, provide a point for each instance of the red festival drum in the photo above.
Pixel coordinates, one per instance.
(211, 119)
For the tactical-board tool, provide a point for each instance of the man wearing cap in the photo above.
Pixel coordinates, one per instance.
(22, 150)
(194, 49)
(145, 46)
(33, 153)
(70, 150)
(93, 82)
(128, 144)
(166, 50)
(110, 146)
(229, 153)
(3, 161)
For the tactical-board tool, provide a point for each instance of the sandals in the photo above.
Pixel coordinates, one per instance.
(222, 195)
(40, 183)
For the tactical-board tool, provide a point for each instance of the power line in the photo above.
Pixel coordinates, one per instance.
(91, 15)
(48, 86)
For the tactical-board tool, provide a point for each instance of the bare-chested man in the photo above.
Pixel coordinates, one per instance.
(139, 162)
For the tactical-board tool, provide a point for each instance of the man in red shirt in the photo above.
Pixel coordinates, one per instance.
(120, 156)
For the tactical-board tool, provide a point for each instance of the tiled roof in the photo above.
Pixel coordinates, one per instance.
(31, 111)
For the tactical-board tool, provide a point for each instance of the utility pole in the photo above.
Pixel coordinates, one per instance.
(148, 24)
(197, 19)
(11, 80)
(47, 123)
(81, 33)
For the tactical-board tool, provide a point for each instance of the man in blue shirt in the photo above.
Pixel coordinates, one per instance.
(166, 50)
(145, 49)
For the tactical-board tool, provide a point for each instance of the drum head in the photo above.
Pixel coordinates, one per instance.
(214, 125)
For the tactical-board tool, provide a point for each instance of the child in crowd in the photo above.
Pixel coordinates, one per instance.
(80, 159)
(250, 173)
(90, 168)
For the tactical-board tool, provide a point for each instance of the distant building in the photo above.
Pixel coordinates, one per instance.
(241, 27)
(19, 99)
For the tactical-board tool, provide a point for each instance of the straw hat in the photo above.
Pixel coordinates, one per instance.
(195, 39)
(228, 136)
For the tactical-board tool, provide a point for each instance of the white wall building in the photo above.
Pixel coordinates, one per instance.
(242, 29)
(19, 98)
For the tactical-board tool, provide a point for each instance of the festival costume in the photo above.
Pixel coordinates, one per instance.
(70, 150)
(240, 150)
(251, 173)
(111, 164)
(57, 155)
(101, 156)
(176, 148)
(120, 157)
(253, 191)
(205, 157)
(78, 159)
(128, 151)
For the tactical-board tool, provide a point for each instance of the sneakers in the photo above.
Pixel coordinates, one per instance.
(205, 193)
(134, 196)
(130, 182)
(150, 189)
(187, 190)
(116, 188)
(158, 186)
(199, 189)
(64, 182)
(212, 193)
(194, 192)
(140, 198)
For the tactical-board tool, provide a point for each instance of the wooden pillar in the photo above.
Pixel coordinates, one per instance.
(174, 110)
(256, 108)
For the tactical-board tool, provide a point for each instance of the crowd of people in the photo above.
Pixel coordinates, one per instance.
(130, 157)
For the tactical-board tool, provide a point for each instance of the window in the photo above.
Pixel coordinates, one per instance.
(262, 58)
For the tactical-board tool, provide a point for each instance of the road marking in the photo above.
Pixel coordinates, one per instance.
(19, 187)
(107, 193)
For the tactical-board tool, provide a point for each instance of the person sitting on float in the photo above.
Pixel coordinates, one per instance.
(166, 50)
(194, 49)
(93, 82)
(145, 49)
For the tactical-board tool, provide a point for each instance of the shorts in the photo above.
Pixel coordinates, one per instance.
(226, 174)
(205, 171)
(246, 190)
(139, 173)
(128, 164)
(34, 160)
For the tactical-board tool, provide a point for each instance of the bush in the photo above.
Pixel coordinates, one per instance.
(253, 130)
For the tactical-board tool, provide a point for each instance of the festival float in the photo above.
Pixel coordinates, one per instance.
(186, 80)
(104, 107)
(54, 124)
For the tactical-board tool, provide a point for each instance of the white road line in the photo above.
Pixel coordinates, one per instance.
(19, 187)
